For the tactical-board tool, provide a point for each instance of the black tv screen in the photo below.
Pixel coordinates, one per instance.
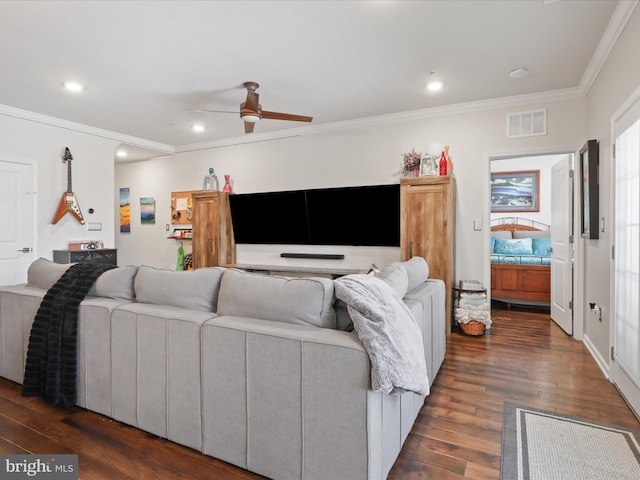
(353, 216)
(360, 216)
(269, 218)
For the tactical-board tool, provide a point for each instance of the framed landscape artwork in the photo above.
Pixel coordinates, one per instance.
(515, 191)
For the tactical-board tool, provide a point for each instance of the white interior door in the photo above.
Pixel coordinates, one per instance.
(562, 245)
(17, 210)
(625, 368)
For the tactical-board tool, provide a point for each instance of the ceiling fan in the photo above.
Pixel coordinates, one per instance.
(251, 111)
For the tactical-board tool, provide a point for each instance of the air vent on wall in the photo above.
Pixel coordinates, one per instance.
(527, 124)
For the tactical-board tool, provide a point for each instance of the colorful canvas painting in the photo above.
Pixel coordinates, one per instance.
(147, 210)
(125, 210)
(515, 191)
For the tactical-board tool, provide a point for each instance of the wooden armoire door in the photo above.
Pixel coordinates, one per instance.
(427, 227)
(213, 243)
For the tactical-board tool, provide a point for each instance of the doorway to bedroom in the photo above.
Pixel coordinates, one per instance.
(530, 255)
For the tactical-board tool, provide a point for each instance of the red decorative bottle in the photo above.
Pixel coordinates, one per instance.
(443, 165)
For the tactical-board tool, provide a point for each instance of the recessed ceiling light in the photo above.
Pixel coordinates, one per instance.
(434, 85)
(73, 86)
(121, 153)
(519, 73)
(198, 128)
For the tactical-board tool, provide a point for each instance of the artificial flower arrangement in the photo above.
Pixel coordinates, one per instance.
(411, 162)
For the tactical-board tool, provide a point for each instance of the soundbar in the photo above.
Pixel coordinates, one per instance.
(319, 256)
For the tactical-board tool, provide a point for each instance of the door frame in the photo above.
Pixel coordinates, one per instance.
(578, 274)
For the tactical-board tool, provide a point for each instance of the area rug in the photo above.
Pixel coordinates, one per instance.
(542, 445)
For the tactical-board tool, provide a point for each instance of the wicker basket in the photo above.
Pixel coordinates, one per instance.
(472, 328)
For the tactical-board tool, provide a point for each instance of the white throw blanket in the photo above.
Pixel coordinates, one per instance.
(388, 331)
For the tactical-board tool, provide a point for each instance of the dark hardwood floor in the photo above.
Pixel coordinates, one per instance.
(526, 359)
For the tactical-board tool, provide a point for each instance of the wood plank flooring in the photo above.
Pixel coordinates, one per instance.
(525, 359)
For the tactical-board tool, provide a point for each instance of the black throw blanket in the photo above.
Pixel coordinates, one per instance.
(51, 367)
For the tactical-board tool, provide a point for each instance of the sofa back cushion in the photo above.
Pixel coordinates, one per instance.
(116, 283)
(190, 289)
(43, 273)
(298, 300)
(416, 270)
(396, 275)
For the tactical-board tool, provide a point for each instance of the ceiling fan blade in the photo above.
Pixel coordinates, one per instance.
(248, 127)
(210, 111)
(285, 116)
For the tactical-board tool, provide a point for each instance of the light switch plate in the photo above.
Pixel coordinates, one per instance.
(477, 224)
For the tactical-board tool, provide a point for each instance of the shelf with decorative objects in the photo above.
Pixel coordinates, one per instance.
(181, 234)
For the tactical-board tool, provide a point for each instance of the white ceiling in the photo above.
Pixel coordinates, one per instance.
(144, 62)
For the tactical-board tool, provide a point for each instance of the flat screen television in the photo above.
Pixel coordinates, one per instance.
(270, 218)
(352, 216)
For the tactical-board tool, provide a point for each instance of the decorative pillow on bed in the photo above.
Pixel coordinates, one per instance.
(513, 246)
(542, 247)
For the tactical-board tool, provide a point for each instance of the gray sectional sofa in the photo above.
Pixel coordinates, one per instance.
(260, 371)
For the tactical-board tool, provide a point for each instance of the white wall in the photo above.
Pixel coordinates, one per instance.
(92, 179)
(542, 163)
(368, 154)
(617, 80)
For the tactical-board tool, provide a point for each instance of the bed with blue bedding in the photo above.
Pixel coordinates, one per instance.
(520, 262)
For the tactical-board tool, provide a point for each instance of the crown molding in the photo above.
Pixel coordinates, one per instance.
(79, 127)
(619, 19)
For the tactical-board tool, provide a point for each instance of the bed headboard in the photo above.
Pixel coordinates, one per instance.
(514, 224)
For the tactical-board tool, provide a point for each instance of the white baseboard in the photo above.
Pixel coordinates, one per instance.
(602, 362)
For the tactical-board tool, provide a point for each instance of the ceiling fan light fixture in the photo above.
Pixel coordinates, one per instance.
(251, 118)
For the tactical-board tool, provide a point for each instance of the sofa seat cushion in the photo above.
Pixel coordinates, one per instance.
(280, 299)
(189, 289)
